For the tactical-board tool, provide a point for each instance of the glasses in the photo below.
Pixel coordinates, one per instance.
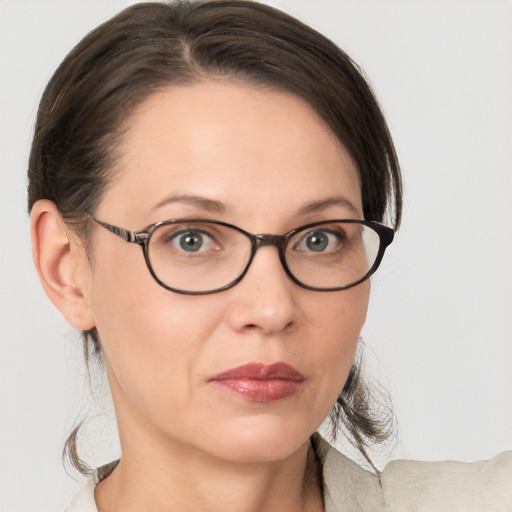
(201, 256)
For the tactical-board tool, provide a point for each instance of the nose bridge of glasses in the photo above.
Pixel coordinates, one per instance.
(278, 241)
(264, 239)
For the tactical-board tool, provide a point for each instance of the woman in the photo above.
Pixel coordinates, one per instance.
(256, 191)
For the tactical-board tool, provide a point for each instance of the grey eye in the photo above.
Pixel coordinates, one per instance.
(192, 241)
(316, 241)
(320, 241)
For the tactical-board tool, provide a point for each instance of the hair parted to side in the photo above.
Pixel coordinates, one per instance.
(154, 45)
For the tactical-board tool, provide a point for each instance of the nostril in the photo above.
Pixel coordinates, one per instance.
(289, 326)
(266, 331)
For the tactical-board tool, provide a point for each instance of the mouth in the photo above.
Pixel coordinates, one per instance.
(258, 382)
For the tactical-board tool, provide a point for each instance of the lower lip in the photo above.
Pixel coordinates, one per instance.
(256, 390)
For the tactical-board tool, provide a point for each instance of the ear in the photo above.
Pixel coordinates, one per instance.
(62, 264)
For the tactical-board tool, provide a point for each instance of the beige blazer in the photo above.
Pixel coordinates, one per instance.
(414, 486)
(406, 485)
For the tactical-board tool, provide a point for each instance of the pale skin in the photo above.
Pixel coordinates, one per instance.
(265, 162)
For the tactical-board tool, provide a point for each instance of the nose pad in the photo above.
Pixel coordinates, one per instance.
(264, 300)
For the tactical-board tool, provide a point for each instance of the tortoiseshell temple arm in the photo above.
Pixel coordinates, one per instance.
(125, 234)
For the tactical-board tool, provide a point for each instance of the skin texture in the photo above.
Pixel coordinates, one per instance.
(264, 156)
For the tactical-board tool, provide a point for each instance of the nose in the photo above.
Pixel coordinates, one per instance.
(265, 300)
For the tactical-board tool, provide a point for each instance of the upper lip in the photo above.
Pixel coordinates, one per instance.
(261, 371)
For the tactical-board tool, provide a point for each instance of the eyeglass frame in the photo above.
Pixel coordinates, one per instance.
(142, 238)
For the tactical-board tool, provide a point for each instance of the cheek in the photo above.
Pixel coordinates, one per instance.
(153, 343)
(147, 332)
(340, 317)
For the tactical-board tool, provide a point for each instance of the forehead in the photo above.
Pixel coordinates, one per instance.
(246, 147)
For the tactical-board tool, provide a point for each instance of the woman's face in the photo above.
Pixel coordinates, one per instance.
(261, 160)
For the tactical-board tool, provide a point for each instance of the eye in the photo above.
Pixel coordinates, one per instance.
(320, 241)
(192, 240)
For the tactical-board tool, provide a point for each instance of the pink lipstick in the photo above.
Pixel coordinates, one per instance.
(260, 382)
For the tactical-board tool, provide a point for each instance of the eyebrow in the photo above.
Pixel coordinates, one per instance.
(210, 205)
(318, 206)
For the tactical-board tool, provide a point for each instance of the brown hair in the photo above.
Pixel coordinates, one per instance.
(153, 45)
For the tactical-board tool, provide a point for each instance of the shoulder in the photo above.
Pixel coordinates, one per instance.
(409, 486)
(449, 486)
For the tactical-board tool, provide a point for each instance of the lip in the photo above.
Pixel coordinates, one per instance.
(259, 382)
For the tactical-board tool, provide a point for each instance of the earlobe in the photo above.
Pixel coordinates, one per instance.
(61, 263)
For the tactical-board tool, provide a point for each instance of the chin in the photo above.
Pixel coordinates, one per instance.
(260, 441)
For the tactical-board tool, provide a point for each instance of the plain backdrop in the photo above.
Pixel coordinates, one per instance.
(439, 332)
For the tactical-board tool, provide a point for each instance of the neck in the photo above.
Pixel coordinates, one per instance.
(186, 480)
